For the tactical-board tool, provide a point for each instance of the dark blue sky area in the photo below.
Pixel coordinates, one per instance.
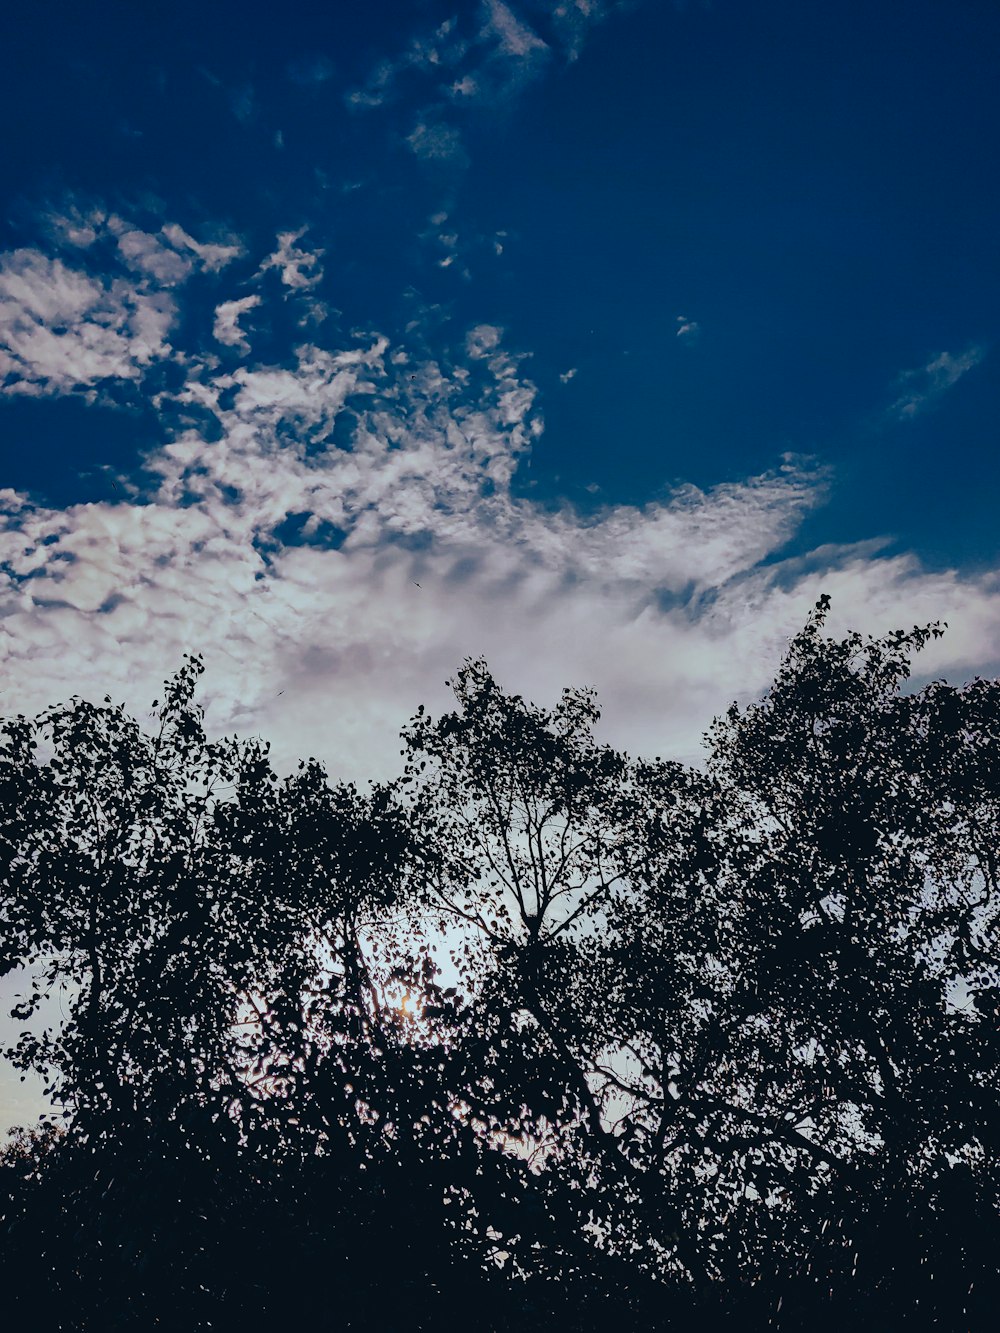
(813, 186)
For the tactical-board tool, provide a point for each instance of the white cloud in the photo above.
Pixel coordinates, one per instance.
(439, 51)
(670, 609)
(167, 255)
(435, 141)
(297, 267)
(226, 328)
(64, 327)
(575, 19)
(61, 328)
(515, 37)
(920, 389)
(446, 71)
(482, 340)
(147, 254)
(75, 225)
(466, 86)
(213, 255)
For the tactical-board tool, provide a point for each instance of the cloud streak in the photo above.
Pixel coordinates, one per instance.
(226, 328)
(298, 267)
(921, 389)
(286, 543)
(461, 66)
(66, 326)
(61, 329)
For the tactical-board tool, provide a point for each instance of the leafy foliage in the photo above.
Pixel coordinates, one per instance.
(537, 1036)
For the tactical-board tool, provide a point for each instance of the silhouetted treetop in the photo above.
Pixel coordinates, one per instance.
(538, 1035)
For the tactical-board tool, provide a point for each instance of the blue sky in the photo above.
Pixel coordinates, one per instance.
(624, 330)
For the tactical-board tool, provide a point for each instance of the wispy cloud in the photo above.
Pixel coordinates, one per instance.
(435, 53)
(61, 329)
(311, 71)
(226, 328)
(213, 255)
(921, 389)
(147, 254)
(487, 62)
(514, 37)
(458, 250)
(67, 324)
(433, 140)
(291, 559)
(298, 267)
(482, 340)
(573, 20)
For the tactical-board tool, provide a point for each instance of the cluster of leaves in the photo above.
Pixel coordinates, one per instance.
(536, 1036)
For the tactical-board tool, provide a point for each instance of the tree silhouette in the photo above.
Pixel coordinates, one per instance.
(537, 1036)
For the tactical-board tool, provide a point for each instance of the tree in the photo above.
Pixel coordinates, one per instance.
(871, 908)
(546, 1032)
